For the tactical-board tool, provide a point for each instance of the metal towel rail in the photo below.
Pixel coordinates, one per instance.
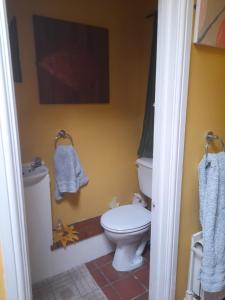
(62, 134)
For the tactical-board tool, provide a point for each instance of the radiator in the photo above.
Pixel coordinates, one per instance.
(194, 290)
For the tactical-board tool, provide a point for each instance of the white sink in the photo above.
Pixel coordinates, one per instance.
(33, 176)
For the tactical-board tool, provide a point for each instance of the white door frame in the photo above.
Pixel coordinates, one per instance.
(172, 74)
(12, 217)
(174, 41)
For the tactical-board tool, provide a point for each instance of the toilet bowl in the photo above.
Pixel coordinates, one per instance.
(128, 227)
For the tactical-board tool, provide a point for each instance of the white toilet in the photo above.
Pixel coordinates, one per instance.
(128, 226)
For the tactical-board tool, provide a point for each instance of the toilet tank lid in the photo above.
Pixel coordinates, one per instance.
(126, 217)
(144, 161)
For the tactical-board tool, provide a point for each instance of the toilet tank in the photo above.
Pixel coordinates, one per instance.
(144, 169)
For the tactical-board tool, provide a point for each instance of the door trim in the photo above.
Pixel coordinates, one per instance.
(172, 75)
(13, 229)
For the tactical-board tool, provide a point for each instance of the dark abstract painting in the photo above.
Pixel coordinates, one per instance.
(72, 61)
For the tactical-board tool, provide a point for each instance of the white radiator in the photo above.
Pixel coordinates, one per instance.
(194, 288)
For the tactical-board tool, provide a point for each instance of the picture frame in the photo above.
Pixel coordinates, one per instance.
(210, 23)
(72, 62)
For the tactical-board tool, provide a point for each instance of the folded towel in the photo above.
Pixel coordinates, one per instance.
(212, 217)
(69, 174)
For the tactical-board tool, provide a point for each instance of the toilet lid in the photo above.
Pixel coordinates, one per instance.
(126, 218)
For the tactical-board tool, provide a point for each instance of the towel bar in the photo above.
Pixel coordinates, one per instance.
(62, 134)
(210, 136)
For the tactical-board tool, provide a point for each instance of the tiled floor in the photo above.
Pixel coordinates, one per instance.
(120, 285)
(97, 280)
(75, 284)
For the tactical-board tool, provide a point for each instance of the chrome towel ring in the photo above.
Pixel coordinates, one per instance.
(210, 137)
(62, 134)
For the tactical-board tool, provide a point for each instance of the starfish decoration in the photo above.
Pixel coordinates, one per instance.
(65, 234)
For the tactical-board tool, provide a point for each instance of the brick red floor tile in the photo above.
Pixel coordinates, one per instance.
(111, 274)
(144, 266)
(128, 287)
(110, 293)
(143, 297)
(120, 285)
(91, 265)
(99, 278)
(143, 275)
(101, 261)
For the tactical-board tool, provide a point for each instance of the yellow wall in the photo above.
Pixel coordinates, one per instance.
(106, 136)
(2, 286)
(206, 111)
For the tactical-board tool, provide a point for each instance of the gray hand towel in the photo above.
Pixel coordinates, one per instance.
(212, 217)
(69, 174)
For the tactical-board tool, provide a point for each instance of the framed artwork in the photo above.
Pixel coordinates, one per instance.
(72, 62)
(14, 47)
(210, 23)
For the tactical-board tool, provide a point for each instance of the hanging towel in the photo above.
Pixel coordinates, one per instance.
(69, 174)
(212, 218)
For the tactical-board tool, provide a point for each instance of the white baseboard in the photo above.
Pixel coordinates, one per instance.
(60, 260)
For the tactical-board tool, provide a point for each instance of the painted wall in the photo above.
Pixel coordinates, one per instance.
(206, 111)
(2, 286)
(105, 136)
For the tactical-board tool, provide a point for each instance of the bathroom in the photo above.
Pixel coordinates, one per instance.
(106, 136)
(172, 195)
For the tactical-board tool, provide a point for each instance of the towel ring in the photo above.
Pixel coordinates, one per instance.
(210, 137)
(62, 134)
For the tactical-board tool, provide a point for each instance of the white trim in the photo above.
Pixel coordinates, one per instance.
(12, 229)
(173, 59)
(62, 260)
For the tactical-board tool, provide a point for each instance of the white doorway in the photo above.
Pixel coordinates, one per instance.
(172, 73)
(174, 40)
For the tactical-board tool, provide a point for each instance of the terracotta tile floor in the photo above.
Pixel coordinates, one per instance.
(120, 285)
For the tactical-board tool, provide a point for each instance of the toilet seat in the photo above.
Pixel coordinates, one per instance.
(126, 218)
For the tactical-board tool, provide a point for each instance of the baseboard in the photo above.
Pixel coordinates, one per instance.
(60, 260)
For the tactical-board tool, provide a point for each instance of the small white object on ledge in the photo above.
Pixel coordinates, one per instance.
(114, 203)
(138, 200)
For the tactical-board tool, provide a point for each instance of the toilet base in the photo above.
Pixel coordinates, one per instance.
(129, 257)
(123, 267)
